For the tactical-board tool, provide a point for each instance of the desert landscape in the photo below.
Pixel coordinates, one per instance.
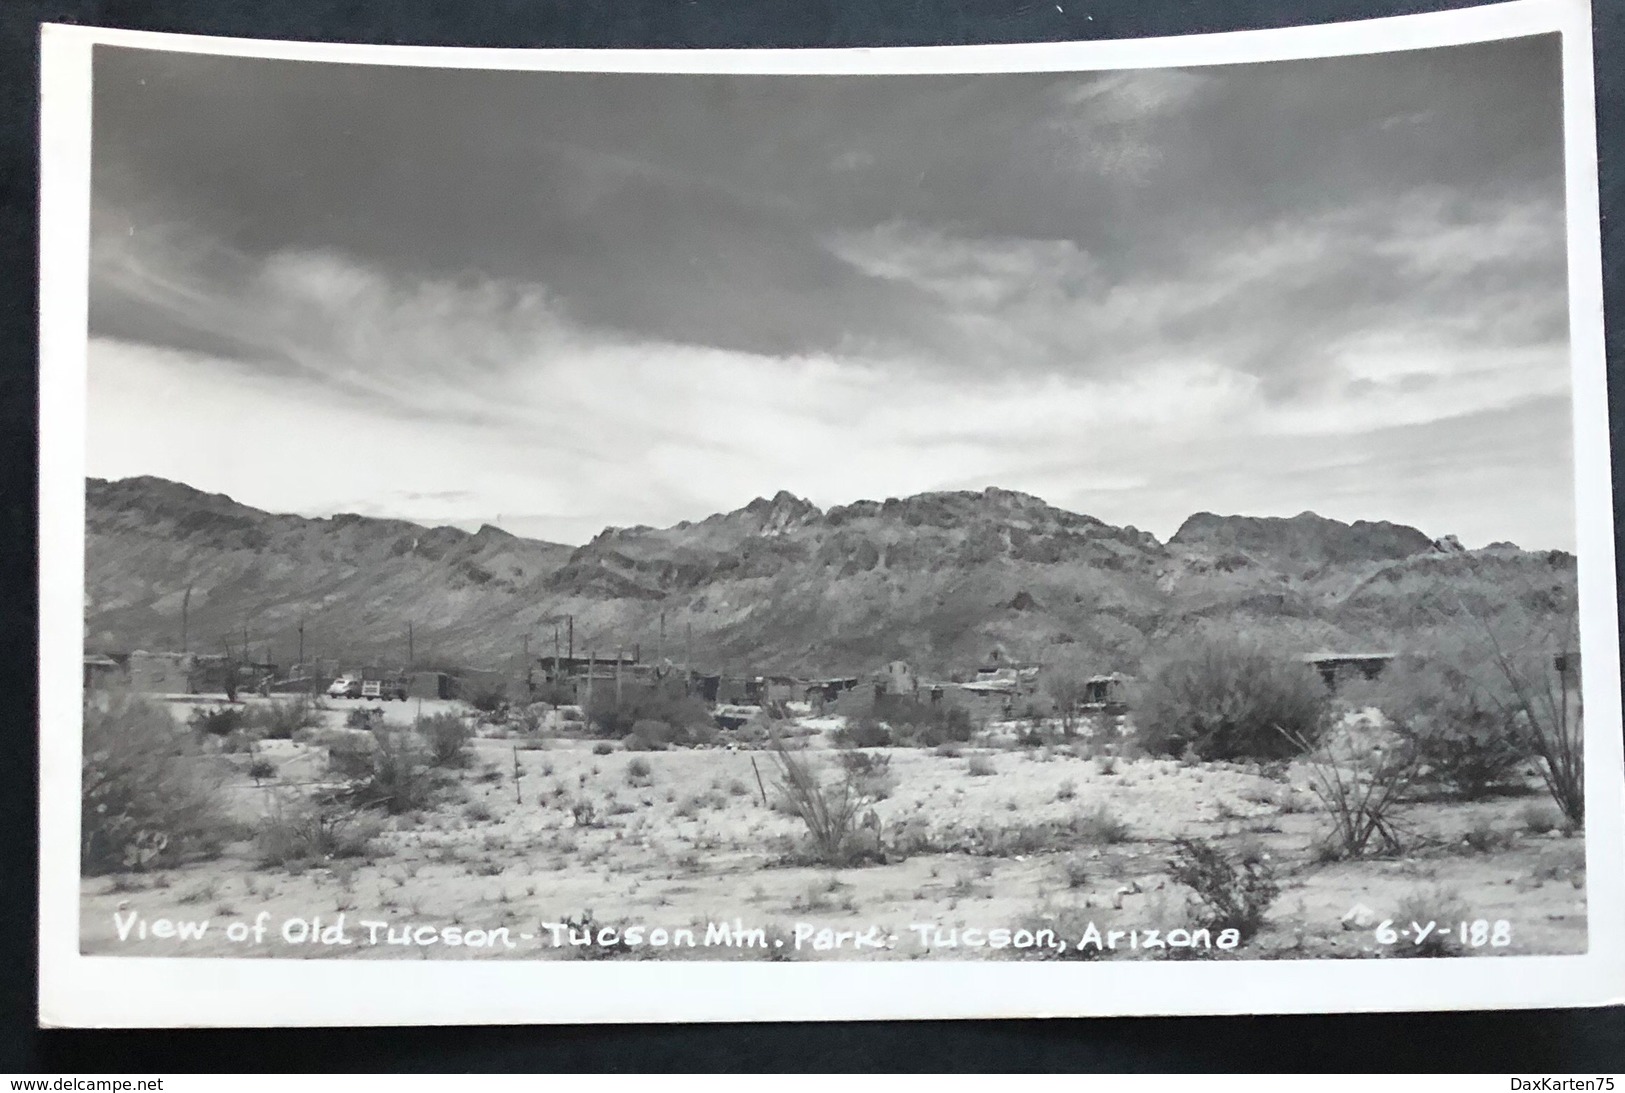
(433, 829)
(1100, 515)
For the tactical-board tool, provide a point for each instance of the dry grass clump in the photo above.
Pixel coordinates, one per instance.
(980, 766)
(1440, 908)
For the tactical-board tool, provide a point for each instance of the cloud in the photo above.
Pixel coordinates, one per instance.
(618, 299)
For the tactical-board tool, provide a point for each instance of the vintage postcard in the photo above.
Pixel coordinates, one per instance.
(1109, 528)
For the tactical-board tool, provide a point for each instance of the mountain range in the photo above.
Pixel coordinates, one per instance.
(942, 580)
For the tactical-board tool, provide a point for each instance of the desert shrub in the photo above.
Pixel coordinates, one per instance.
(1075, 871)
(872, 773)
(585, 813)
(147, 797)
(313, 831)
(239, 742)
(529, 719)
(831, 810)
(655, 735)
(1360, 782)
(447, 737)
(1067, 790)
(687, 715)
(477, 812)
(1539, 819)
(1228, 699)
(1546, 703)
(398, 775)
(639, 772)
(1484, 837)
(280, 719)
(980, 766)
(363, 718)
(219, 720)
(262, 770)
(1106, 764)
(1031, 737)
(864, 732)
(604, 747)
(1099, 824)
(1235, 895)
(1465, 736)
(1439, 907)
(489, 698)
(909, 722)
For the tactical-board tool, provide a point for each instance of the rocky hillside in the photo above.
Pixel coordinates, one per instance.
(940, 579)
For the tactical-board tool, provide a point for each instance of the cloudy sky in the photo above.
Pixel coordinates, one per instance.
(560, 301)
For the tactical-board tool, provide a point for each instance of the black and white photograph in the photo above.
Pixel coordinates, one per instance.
(1034, 516)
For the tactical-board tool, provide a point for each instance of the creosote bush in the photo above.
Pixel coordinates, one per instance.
(906, 721)
(220, 720)
(397, 775)
(872, 772)
(1466, 738)
(447, 737)
(280, 718)
(687, 717)
(150, 796)
(489, 699)
(1234, 894)
(313, 831)
(1225, 698)
(980, 766)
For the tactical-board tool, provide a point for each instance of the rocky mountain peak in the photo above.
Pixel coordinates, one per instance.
(1305, 540)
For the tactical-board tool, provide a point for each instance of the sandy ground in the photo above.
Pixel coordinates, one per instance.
(500, 868)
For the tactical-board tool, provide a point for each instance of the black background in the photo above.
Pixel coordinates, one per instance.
(1516, 1042)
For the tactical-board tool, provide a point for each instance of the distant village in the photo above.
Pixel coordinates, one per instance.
(998, 689)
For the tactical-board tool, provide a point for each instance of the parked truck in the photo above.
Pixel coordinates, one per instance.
(368, 686)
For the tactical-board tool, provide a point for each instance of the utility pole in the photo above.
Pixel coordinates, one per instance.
(660, 649)
(571, 621)
(186, 608)
(301, 642)
(591, 669)
(618, 659)
(525, 645)
(555, 652)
